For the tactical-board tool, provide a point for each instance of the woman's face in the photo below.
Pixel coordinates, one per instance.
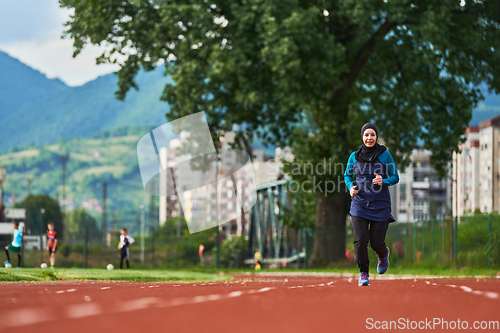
(369, 137)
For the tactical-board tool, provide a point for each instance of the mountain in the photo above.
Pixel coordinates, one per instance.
(85, 110)
(20, 86)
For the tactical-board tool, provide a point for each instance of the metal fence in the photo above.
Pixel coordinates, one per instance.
(468, 241)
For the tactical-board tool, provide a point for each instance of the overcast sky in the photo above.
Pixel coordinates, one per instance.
(30, 30)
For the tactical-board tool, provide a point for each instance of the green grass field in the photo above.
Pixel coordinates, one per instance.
(79, 274)
(451, 272)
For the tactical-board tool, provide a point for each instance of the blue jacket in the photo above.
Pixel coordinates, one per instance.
(373, 201)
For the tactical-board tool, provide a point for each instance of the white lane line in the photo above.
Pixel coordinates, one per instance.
(330, 283)
(104, 288)
(60, 292)
(488, 294)
(427, 282)
(33, 316)
(137, 304)
(70, 290)
(26, 316)
(83, 310)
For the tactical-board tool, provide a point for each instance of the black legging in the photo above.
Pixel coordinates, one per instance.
(375, 235)
(18, 258)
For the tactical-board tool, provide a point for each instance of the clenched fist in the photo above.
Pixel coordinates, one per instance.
(354, 191)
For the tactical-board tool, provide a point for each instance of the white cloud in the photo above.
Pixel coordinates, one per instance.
(55, 59)
(31, 32)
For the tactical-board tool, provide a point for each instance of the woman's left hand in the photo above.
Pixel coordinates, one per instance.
(377, 180)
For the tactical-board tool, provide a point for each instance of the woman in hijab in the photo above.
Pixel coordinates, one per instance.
(370, 211)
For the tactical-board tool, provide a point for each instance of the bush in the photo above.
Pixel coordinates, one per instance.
(232, 251)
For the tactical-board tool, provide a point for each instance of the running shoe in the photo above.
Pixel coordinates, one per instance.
(363, 279)
(383, 263)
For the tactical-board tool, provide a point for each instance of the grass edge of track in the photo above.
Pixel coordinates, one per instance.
(94, 274)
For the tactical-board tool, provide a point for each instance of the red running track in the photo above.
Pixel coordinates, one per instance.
(249, 304)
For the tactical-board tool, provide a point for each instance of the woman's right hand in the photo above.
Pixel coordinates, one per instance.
(354, 191)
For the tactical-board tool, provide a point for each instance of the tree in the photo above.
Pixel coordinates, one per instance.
(309, 73)
(38, 220)
(82, 226)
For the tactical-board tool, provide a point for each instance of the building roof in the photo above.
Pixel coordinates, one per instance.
(472, 129)
(492, 122)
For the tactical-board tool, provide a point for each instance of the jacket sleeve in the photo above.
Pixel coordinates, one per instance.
(349, 172)
(392, 171)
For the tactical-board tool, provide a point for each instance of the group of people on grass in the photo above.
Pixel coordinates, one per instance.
(17, 243)
(53, 242)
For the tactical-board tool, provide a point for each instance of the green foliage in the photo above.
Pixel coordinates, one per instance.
(303, 214)
(276, 62)
(91, 162)
(232, 251)
(81, 225)
(186, 247)
(38, 221)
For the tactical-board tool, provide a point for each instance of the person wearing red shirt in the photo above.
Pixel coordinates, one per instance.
(52, 243)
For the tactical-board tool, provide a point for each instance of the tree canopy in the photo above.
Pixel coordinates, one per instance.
(39, 219)
(308, 73)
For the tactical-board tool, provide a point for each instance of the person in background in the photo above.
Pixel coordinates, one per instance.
(15, 246)
(52, 243)
(125, 242)
(258, 257)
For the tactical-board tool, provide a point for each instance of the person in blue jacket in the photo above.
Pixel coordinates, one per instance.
(370, 210)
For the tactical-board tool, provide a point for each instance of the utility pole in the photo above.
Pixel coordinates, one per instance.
(217, 241)
(2, 180)
(104, 213)
(29, 179)
(13, 204)
(64, 159)
(152, 223)
(142, 232)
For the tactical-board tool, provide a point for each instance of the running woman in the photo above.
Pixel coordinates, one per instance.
(125, 242)
(52, 243)
(370, 211)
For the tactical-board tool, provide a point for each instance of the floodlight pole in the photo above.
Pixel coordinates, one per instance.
(142, 233)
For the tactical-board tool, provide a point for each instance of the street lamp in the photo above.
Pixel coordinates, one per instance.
(142, 233)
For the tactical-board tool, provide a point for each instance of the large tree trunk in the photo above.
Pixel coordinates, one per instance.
(330, 232)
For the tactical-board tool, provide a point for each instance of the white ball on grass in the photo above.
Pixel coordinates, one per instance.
(43, 265)
(110, 267)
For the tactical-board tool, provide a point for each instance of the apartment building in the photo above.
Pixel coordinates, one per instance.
(420, 193)
(465, 170)
(489, 171)
(476, 169)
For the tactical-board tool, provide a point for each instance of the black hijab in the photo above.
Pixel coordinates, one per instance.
(365, 154)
